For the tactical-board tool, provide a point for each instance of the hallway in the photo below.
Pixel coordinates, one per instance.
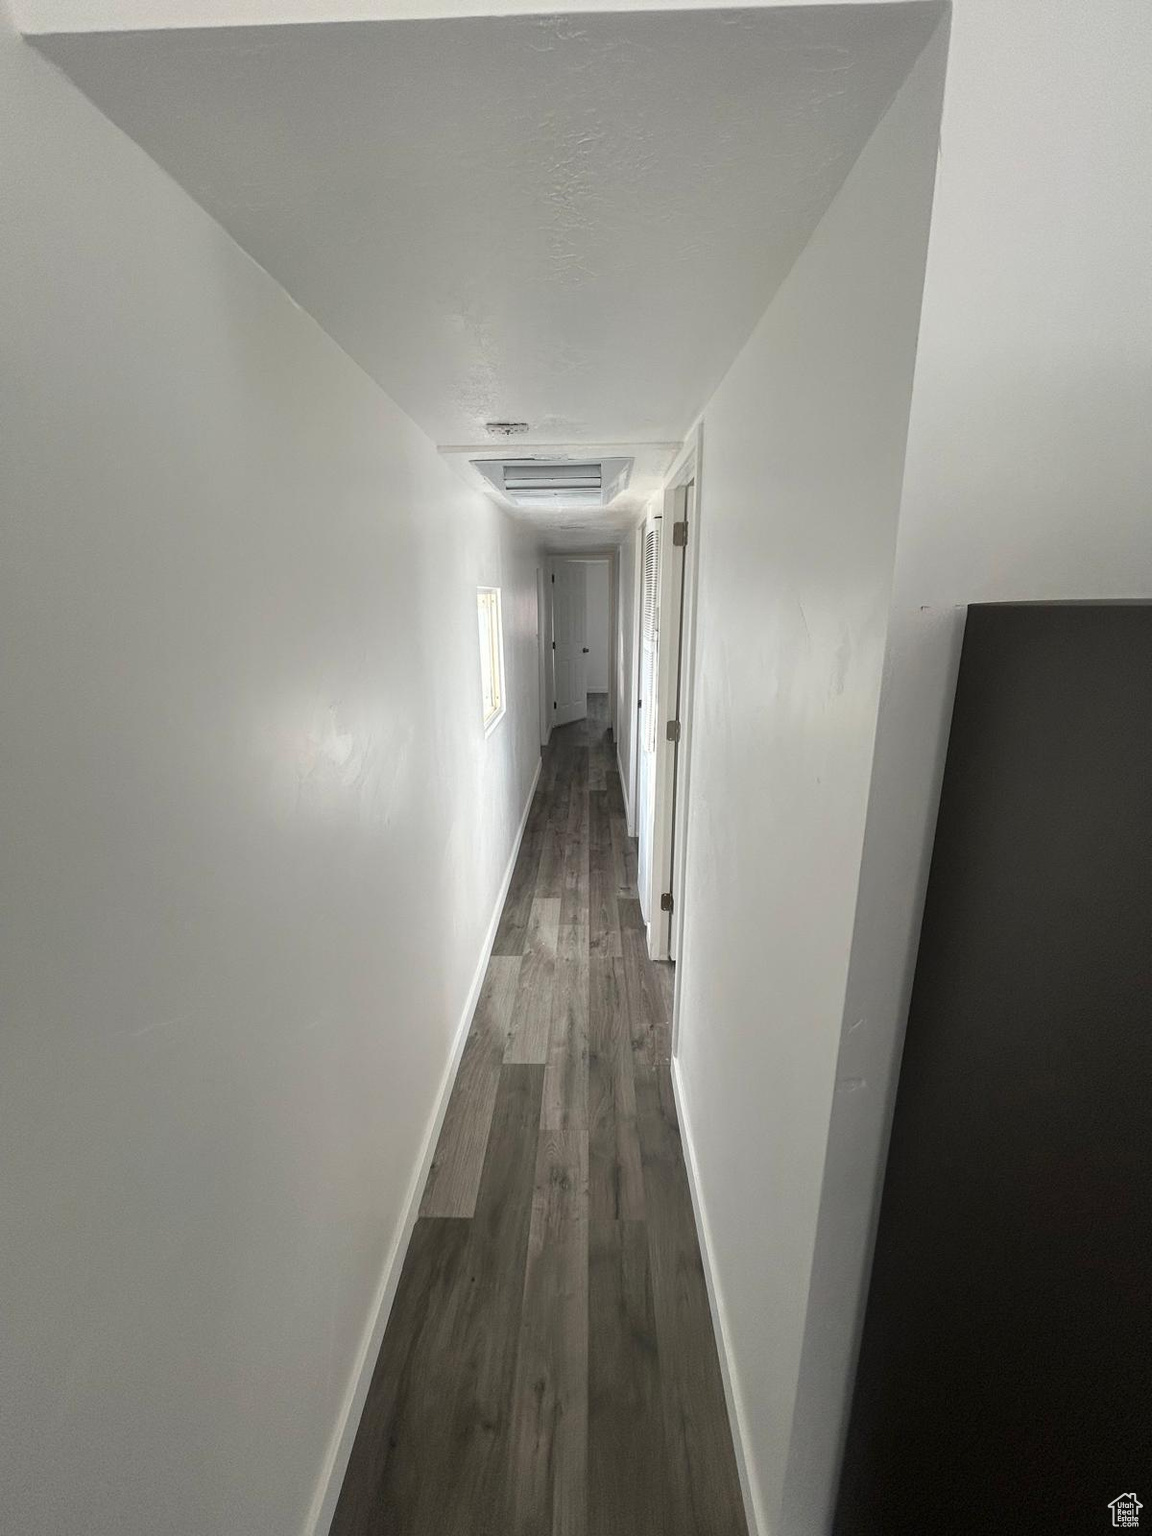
(549, 1362)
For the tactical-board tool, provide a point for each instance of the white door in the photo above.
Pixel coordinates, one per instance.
(544, 646)
(677, 589)
(569, 641)
(648, 712)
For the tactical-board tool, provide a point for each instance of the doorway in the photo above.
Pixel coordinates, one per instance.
(647, 709)
(667, 647)
(544, 654)
(583, 591)
(569, 650)
(685, 499)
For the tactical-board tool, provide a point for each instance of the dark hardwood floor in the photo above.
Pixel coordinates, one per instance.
(549, 1364)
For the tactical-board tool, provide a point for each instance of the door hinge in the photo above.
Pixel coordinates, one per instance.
(553, 579)
(555, 705)
(553, 645)
(666, 902)
(679, 534)
(672, 730)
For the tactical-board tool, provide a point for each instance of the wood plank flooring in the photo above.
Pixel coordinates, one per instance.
(549, 1367)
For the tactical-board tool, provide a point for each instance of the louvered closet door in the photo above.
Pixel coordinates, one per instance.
(649, 675)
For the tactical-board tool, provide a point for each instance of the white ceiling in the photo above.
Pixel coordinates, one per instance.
(574, 221)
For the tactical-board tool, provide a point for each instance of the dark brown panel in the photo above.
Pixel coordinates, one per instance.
(1006, 1356)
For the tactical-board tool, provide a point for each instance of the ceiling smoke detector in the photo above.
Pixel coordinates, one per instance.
(560, 483)
(505, 428)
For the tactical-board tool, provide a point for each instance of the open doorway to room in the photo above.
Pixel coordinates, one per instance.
(583, 612)
(598, 636)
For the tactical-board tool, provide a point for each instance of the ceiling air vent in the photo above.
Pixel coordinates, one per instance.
(548, 482)
(505, 428)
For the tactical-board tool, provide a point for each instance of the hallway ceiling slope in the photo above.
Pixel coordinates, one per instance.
(46, 17)
(572, 221)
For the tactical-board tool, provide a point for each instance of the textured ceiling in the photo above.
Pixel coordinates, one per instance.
(574, 221)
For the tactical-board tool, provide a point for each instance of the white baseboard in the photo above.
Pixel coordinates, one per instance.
(757, 1525)
(340, 1446)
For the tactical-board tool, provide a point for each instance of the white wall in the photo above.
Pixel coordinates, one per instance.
(803, 451)
(1029, 475)
(597, 618)
(253, 837)
(543, 617)
(627, 651)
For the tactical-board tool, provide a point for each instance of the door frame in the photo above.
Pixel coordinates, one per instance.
(630, 645)
(686, 470)
(610, 553)
(648, 763)
(543, 632)
(569, 646)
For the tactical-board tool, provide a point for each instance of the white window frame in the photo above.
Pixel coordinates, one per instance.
(490, 628)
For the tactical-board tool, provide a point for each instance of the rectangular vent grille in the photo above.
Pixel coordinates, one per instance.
(570, 485)
(556, 482)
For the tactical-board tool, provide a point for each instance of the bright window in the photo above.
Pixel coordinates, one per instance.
(491, 654)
